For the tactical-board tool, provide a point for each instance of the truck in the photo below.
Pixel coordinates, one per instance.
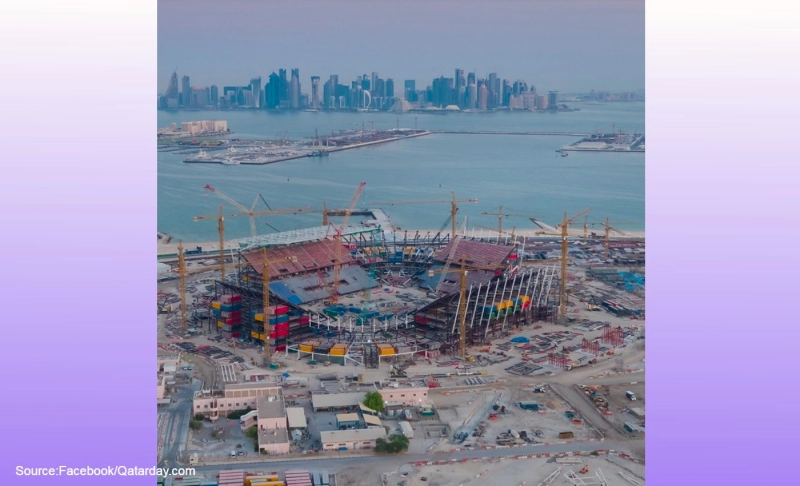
(406, 429)
(529, 406)
(631, 396)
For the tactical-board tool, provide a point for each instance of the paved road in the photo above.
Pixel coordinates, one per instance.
(177, 415)
(384, 463)
(588, 411)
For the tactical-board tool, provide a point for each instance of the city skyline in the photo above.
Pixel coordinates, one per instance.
(466, 91)
(566, 46)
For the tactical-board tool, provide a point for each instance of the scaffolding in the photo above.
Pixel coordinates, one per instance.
(613, 336)
(525, 293)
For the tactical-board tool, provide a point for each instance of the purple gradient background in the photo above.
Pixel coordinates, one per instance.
(79, 215)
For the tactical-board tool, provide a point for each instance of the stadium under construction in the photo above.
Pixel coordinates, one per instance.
(397, 294)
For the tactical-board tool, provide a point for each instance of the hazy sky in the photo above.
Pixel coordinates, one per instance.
(564, 45)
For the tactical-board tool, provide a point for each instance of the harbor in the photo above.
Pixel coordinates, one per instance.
(607, 142)
(253, 152)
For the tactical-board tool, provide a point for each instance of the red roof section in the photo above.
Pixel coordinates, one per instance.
(310, 257)
(476, 253)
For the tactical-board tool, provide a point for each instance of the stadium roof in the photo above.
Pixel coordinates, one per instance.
(300, 236)
(310, 257)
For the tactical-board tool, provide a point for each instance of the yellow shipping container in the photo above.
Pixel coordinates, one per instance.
(220, 323)
(245, 277)
(387, 352)
(215, 305)
(254, 334)
(306, 348)
(259, 317)
(338, 352)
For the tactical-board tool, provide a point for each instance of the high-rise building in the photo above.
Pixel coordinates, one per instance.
(315, 92)
(199, 97)
(272, 98)
(461, 88)
(389, 88)
(471, 79)
(255, 88)
(442, 91)
(409, 90)
(493, 85)
(283, 84)
(506, 93)
(186, 91)
(552, 100)
(172, 88)
(213, 94)
(294, 90)
(373, 84)
(472, 93)
(483, 97)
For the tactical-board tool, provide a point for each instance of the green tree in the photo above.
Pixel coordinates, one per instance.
(195, 424)
(374, 400)
(199, 416)
(395, 444)
(235, 415)
(252, 433)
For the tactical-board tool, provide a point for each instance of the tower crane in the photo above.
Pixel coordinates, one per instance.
(450, 258)
(608, 229)
(221, 223)
(453, 207)
(182, 288)
(462, 296)
(499, 215)
(265, 292)
(249, 212)
(563, 227)
(337, 264)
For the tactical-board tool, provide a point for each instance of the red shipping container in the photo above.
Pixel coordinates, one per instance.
(281, 309)
(280, 348)
(236, 298)
(231, 315)
(281, 327)
(236, 335)
(283, 333)
(237, 320)
(273, 335)
(420, 319)
(305, 320)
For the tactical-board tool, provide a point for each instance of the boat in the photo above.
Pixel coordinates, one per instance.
(202, 155)
(564, 154)
(230, 161)
(319, 153)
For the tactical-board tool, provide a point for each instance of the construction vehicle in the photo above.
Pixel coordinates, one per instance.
(399, 371)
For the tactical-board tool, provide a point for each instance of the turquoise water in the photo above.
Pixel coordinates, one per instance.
(524, 174)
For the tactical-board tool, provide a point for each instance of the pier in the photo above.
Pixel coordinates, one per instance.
(272, 155)
(497, 132)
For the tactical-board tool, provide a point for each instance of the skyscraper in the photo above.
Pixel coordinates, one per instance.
(315, 92)
(272, 98)
(410, 90)
(255, 88)
(460, 88)
(186, 91)
(213, 94)
(483, 97)
(552, 100)
(389, 88)
(283, 87)
(172, 89)
(294, 90)
(494, 90)
(472, 90)
(471, 79)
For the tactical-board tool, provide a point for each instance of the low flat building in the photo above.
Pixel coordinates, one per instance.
(271, 413)
(273, 441)
(372, 421)
(342, 440)
(411, 394)
(239, 396)
(345, 420)
(336, 401)
(296, 416)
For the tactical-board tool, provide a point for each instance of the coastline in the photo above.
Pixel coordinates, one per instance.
(167, 248)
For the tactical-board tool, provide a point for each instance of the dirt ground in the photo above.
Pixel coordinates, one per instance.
(507, 472)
